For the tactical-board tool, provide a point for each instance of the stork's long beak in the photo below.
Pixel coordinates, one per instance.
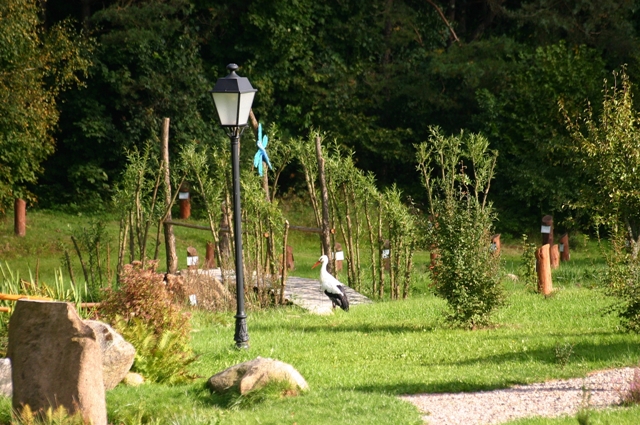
(316, 264)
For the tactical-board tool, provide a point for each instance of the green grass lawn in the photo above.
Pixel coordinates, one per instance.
(357, 363)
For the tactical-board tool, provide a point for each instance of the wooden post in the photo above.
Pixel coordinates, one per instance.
(192, 258)
(547, 230)
(554, 256)
(565, 255)
(339, 256)
(20, 217)
(290, 262)
(210, 260)
(185, 201)
(544, 270)
(495, 244)
(326, 229)
(285, 262)
(169, 237)
(386, 255)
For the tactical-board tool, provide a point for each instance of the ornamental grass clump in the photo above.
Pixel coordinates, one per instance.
(457, 171)
(140, 308)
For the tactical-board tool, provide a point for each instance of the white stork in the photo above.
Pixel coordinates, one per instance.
(331, 286)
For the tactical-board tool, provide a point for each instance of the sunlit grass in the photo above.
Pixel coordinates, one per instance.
(357, 363)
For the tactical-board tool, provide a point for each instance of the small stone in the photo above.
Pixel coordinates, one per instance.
(6, 388)
(133, 379)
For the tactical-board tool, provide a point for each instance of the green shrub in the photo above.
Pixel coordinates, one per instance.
(528, 264)
(466, 271)
(622, 282)
(159, 357)
(142, 311)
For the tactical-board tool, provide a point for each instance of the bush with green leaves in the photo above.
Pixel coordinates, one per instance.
(528, 264)
(622, 282)
(607, 143)
(457, 172)
(142, 311)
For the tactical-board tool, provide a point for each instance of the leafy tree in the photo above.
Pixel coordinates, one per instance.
(457, 173)
(608, 145)
(146, 67)
(538, 173)
(35, 66)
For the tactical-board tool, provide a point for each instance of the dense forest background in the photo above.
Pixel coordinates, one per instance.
(374, 74)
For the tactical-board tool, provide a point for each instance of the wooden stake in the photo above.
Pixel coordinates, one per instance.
(544, 270)
(20, 217)
(210, 261)
(169, 237)
(338, 248)
(564, 248)
(554, 257)
(495, 244)
(285, 258)
(547, 226)
(326, 228)
(184, 199)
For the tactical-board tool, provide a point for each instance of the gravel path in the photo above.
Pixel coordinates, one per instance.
(548, 399)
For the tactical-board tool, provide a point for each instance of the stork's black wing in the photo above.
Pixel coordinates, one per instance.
(340, 300)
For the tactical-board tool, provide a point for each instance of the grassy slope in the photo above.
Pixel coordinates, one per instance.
(357, 362)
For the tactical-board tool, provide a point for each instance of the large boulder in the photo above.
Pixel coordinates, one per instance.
(56, 361)
(255, 374)
(6, 389)
(117, 354)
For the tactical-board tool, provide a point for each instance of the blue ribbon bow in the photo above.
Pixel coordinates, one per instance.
(261, 155)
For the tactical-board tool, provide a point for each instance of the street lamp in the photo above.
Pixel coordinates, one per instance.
(233, 96)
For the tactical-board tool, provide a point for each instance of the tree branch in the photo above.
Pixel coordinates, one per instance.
(453, 33)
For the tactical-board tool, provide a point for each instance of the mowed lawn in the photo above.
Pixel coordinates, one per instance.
(356, 363)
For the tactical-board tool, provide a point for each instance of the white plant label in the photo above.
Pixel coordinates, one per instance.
(545, 229)
(340, 256)
(561, 248)
(385, 253)
(193, 300)
(192, 261)
(183, 195)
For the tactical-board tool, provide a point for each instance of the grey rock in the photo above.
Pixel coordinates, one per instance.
(255, 374)
(56, 361)
(6, 389)
(117, 354)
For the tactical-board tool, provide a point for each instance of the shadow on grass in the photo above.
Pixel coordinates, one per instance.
(233, 400)
(348, 327)
(434, 387)
(581, 352)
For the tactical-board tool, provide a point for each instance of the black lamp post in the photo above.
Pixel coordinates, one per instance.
(233, 96)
